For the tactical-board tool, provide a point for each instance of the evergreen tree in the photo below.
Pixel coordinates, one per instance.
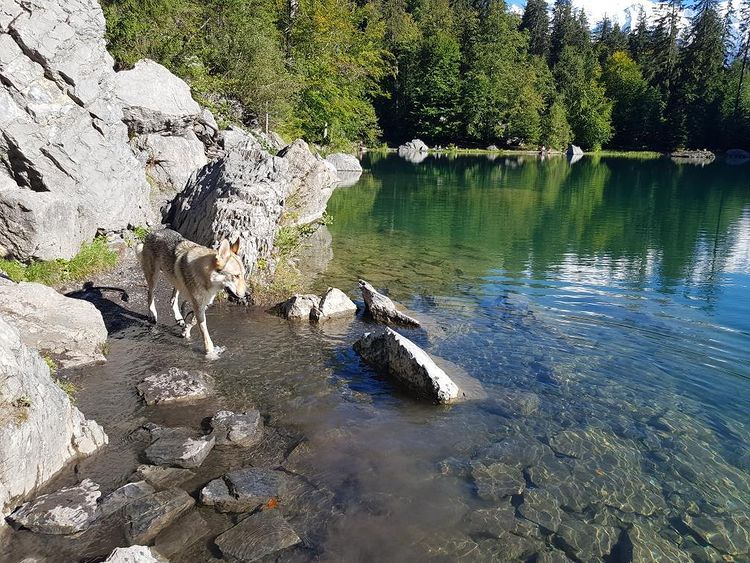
(638, 40)
(535, 21)
(609, 38)
(563, 29)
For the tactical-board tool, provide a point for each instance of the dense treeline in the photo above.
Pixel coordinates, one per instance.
(467, 72)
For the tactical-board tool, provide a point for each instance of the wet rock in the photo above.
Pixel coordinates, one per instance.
(70, 330)
(180, 448)
(298, 307)
(514, 402)
(42, 430)
(244, 490)
(507, 547)
(382, 308)
(729, 534)
(344, 162)
(67, 511)
(238, 429)
(176, 385)
(541, 506)
(146, 517)
(552, 556)
(135, 554)
(163, 477)
(408, 364)
(501, 519)
(517, 450)
(334, 304)
(257, 536)
(648, 547)
(186, 531)
(298, 458)
(415, 145)
(497, 480)
(125, 495)
(588, 542)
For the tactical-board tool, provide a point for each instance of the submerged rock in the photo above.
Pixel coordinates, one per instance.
(186, 531)
(244, 490)
(729, 534)
(344, 162)
(589, 542)
(70, 330)
(135, 554)
(146, 517)
(382, 308)
(408, 364)
(257, 536)
(647, 546)
(176, 385)
(163, 477)
(541, 507)
(179, 447)
(40, 431)
(334, 304)
(497, 480)
(67, 511)
(238, 429)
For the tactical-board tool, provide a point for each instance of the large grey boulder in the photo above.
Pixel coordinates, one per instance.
(256, 536)
(408, 364)
(176, 386)
(382, 308)
(574, 150)
(237, 429)
(163, 477)
(40, 431)
(146, 517)
(135, 554)
(333, 305)
(298, 307)
(125, 495)
(344, 162)
(415, 145)
(65, 166)
(154, 100)
(244, 490)
(70, 330)
(245, 194)
(170, 160)
(179, 447)
(67, 511)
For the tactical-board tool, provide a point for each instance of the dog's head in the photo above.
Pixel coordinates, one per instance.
(229, 270)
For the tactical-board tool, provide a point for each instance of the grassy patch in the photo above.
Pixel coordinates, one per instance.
(287, 280)
(290, 237)
(94, 257)
(51, 364)
(69, 388)
(141, 233)
(630, 154)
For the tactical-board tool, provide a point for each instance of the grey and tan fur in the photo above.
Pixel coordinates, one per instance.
(195, 272)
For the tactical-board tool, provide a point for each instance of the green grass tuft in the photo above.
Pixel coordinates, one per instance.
(51, 363)
(69, 388)
(94, 257)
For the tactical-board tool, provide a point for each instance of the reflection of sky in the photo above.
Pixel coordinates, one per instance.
(738, 258)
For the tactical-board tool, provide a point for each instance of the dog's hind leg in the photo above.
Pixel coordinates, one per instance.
(151, 272)
(175, 301)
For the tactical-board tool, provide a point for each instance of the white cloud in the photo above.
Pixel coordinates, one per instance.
(622, 11)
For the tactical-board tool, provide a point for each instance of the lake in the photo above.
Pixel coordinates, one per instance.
(605, 308)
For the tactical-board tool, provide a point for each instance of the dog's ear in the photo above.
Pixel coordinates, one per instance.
(224, 251)
(235, 246)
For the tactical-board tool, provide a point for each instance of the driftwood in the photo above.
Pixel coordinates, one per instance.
(382, 308)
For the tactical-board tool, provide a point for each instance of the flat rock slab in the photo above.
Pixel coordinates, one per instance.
(408, 364)
(67, 511)
(186, 531)
(257, 536)
(244, 490)
(179, 447)
(161, 477)
(135, 554)
(176, 385)
(382, 308)
(71, 330)
(147, 516)
(334, 304)
(124, 496)
(497, 480)
(238, 429)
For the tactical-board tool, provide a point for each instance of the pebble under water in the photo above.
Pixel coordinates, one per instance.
(605, 308)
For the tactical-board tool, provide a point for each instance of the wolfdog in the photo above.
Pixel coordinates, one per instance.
(194, 271)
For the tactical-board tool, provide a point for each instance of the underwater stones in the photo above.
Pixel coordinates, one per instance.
(587, 541)
(649, 547)
(408, 364)
(244, 490)
(146, 517)
(238, 429)
(125, 495)
(176, 385)
(186, 531)
(135, 554)
(515, 402)
(67, 511)
(501, 519)
(729, 534)
(256, 536)
(382, 308)
(515, 450)
(179, 447)
(497, 480)
(541, 507)
(334, 304)
(163, 477)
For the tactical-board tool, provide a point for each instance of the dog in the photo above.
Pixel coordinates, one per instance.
(196, 272)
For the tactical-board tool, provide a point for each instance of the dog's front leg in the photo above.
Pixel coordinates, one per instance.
(200, 315)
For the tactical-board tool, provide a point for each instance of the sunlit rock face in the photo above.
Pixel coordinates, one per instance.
(66, 169)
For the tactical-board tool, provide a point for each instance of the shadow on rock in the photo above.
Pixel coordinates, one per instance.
(116, 317)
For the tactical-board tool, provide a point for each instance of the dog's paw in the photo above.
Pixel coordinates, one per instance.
(180, 322)
(215, 353)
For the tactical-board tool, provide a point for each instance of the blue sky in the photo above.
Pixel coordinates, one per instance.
(619, 10)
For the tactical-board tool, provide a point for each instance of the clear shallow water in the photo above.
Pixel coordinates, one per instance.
(604, 306)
